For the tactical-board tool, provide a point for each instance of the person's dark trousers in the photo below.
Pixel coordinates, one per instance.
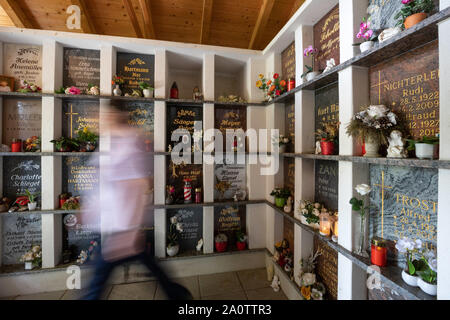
(104, 268)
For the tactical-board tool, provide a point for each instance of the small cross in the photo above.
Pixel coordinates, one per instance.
(71, 114)
(379, 86)
(382, 200)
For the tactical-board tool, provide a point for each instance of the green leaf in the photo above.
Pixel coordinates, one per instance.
(411, 268)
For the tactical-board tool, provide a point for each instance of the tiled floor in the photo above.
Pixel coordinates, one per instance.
(240, 285)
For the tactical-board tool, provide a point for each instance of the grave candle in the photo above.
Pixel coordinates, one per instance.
(378, 252)
(291, 84)
(16, 145)
(325, 224)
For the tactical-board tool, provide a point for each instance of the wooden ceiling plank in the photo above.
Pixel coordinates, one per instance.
(87, 23)
(149, 31)
(134, 21)
(296, 6)
(206, 20)
(261, 22)
(16, 14)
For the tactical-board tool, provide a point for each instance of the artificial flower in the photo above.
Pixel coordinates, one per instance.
(407, 1)
(73, 90)
(269, 82)
(363, 189)
(316, 294)
(308, 279)
(261, 76)
(276, 76)
(306, 292)
(377, 111)
(259, 84)
(173, 219)
(283, 83)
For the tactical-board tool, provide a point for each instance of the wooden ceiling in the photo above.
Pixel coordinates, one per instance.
(249, 24)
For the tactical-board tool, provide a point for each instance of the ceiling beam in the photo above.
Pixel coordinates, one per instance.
(149, 31)
(87, 23)
(206, 20)
(261, 22)
(296, 6)
(16, 14)
(129, 6)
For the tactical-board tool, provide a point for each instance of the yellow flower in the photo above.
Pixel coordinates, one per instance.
(85, 130)
(261, 76)
(258, 84)
(306, 293)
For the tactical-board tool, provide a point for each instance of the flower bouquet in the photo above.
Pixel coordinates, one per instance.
(281, 141)
(175, 229)
(33, 144)
(310, 213)
(87, 140)
(310, 288)
(372, 126)
(86, 255)
(272, 88)
(281, 195)
(32, 258)
(328, 137)
(26, 87)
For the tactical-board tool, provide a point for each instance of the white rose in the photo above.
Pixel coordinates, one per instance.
(173, 220)
(308, 279)
(180, 227)
(363, 189)
(377, 111)
(304, 211)
(317, 205)
(316, 212)
(392, 118)
(285, 140)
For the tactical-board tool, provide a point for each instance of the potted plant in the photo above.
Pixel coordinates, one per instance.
(428, 277)
(272, 88)
(282, 142)
(26, 87)
(241, 240)
(221, 242)
(72, 203)
(409, 247)
(175, 229)
(87, 140)
(358, 205)
(63, 197)
(367, 35)
(310, 73)
(372, 126)
(328, 137)
(64, 144)
(413, 11)
(281, 195)
(31, 197)
(117, 82)
(147, 90)
(32, 258)
(424, 147)
(310, 213)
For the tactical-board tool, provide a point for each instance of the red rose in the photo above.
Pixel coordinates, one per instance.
(278, 92)
(276, 76)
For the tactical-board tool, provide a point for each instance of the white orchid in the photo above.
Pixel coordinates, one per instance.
(308, 279)
(363, 189)
(406, 245)
(180, 227)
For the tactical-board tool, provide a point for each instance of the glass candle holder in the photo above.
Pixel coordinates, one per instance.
(378, 255)
(325, 224)
(334, 227)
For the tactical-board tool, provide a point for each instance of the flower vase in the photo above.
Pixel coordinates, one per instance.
(173, 250)
(426, 287)
(372, 146)
(409, 279)
(28, 265)
(117, 91)
(414, 19)
(148, 93)
(327, 147)
(241, 245)
(365, 46)
(311, 75)
(32, 206)
(361, 251)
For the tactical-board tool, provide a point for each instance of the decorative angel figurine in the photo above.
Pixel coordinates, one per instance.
(330, 65)
(275, 284)
(396, 145)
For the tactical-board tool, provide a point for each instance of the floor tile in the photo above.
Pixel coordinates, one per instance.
(78, 294)
(55, 295)
(253, 279)
(215, 284)
(237, 295)
(8, 298)
(190, 283)
(265, 294)
(133, 291)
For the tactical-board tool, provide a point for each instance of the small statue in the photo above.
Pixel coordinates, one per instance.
(235, 197)
(199, 245)
(275, 284)
(318, 148)
(288, 207)
(389, 33)
(396, 145)
(330, 65)
(197, 95)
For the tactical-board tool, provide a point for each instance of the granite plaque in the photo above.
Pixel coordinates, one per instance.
(290, 125)
(192, 222)
(228, 220)
(327, 268)
(22, 119)
(326, 39)
(234, 177)
(135, 68)
(184, 118)
(80, 175)
(23, 62)
(327, 106)
(20, 174)
(288, 62)
(409, 85)
(78, 236)
(81, 68)
(326, 183)
(405, 204)
(232, 118)
(177, 173)
(20, 232)
(77, 115)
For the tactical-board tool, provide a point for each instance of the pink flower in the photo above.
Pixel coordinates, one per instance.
(407, 1)
(74, 91)
(368, 34)
(310, 51)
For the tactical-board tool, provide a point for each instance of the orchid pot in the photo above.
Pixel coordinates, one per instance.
(409, 279)
(280, 202)
(311, 75)
(424, 150)
(172, 250)
(426, 287)
(414, 19)
(365, 46)
(148, 93)
(32, 206)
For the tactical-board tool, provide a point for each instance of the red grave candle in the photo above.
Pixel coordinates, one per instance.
(16, 145)
(378, 255)
(291, 84)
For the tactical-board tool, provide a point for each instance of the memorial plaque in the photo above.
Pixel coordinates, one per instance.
(20, 232)
(406, 205)
(20, 174)
(326, 183)
(288, 62)
(81, 68)
(77, 115)
(177, 173)
(183, 118)
(289, 175)
(327, 105)
(327, 268)
(326, 39)
(235, 176)
(290, 125)
(135, 68)
(23, 62)
(78, 236)
(22, 119)
(232, 118)
(228, 220)
(80, 175)
(409, 85)
(382, 13)
(192, 221)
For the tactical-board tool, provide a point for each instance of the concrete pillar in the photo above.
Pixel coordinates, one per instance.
(161, 73)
